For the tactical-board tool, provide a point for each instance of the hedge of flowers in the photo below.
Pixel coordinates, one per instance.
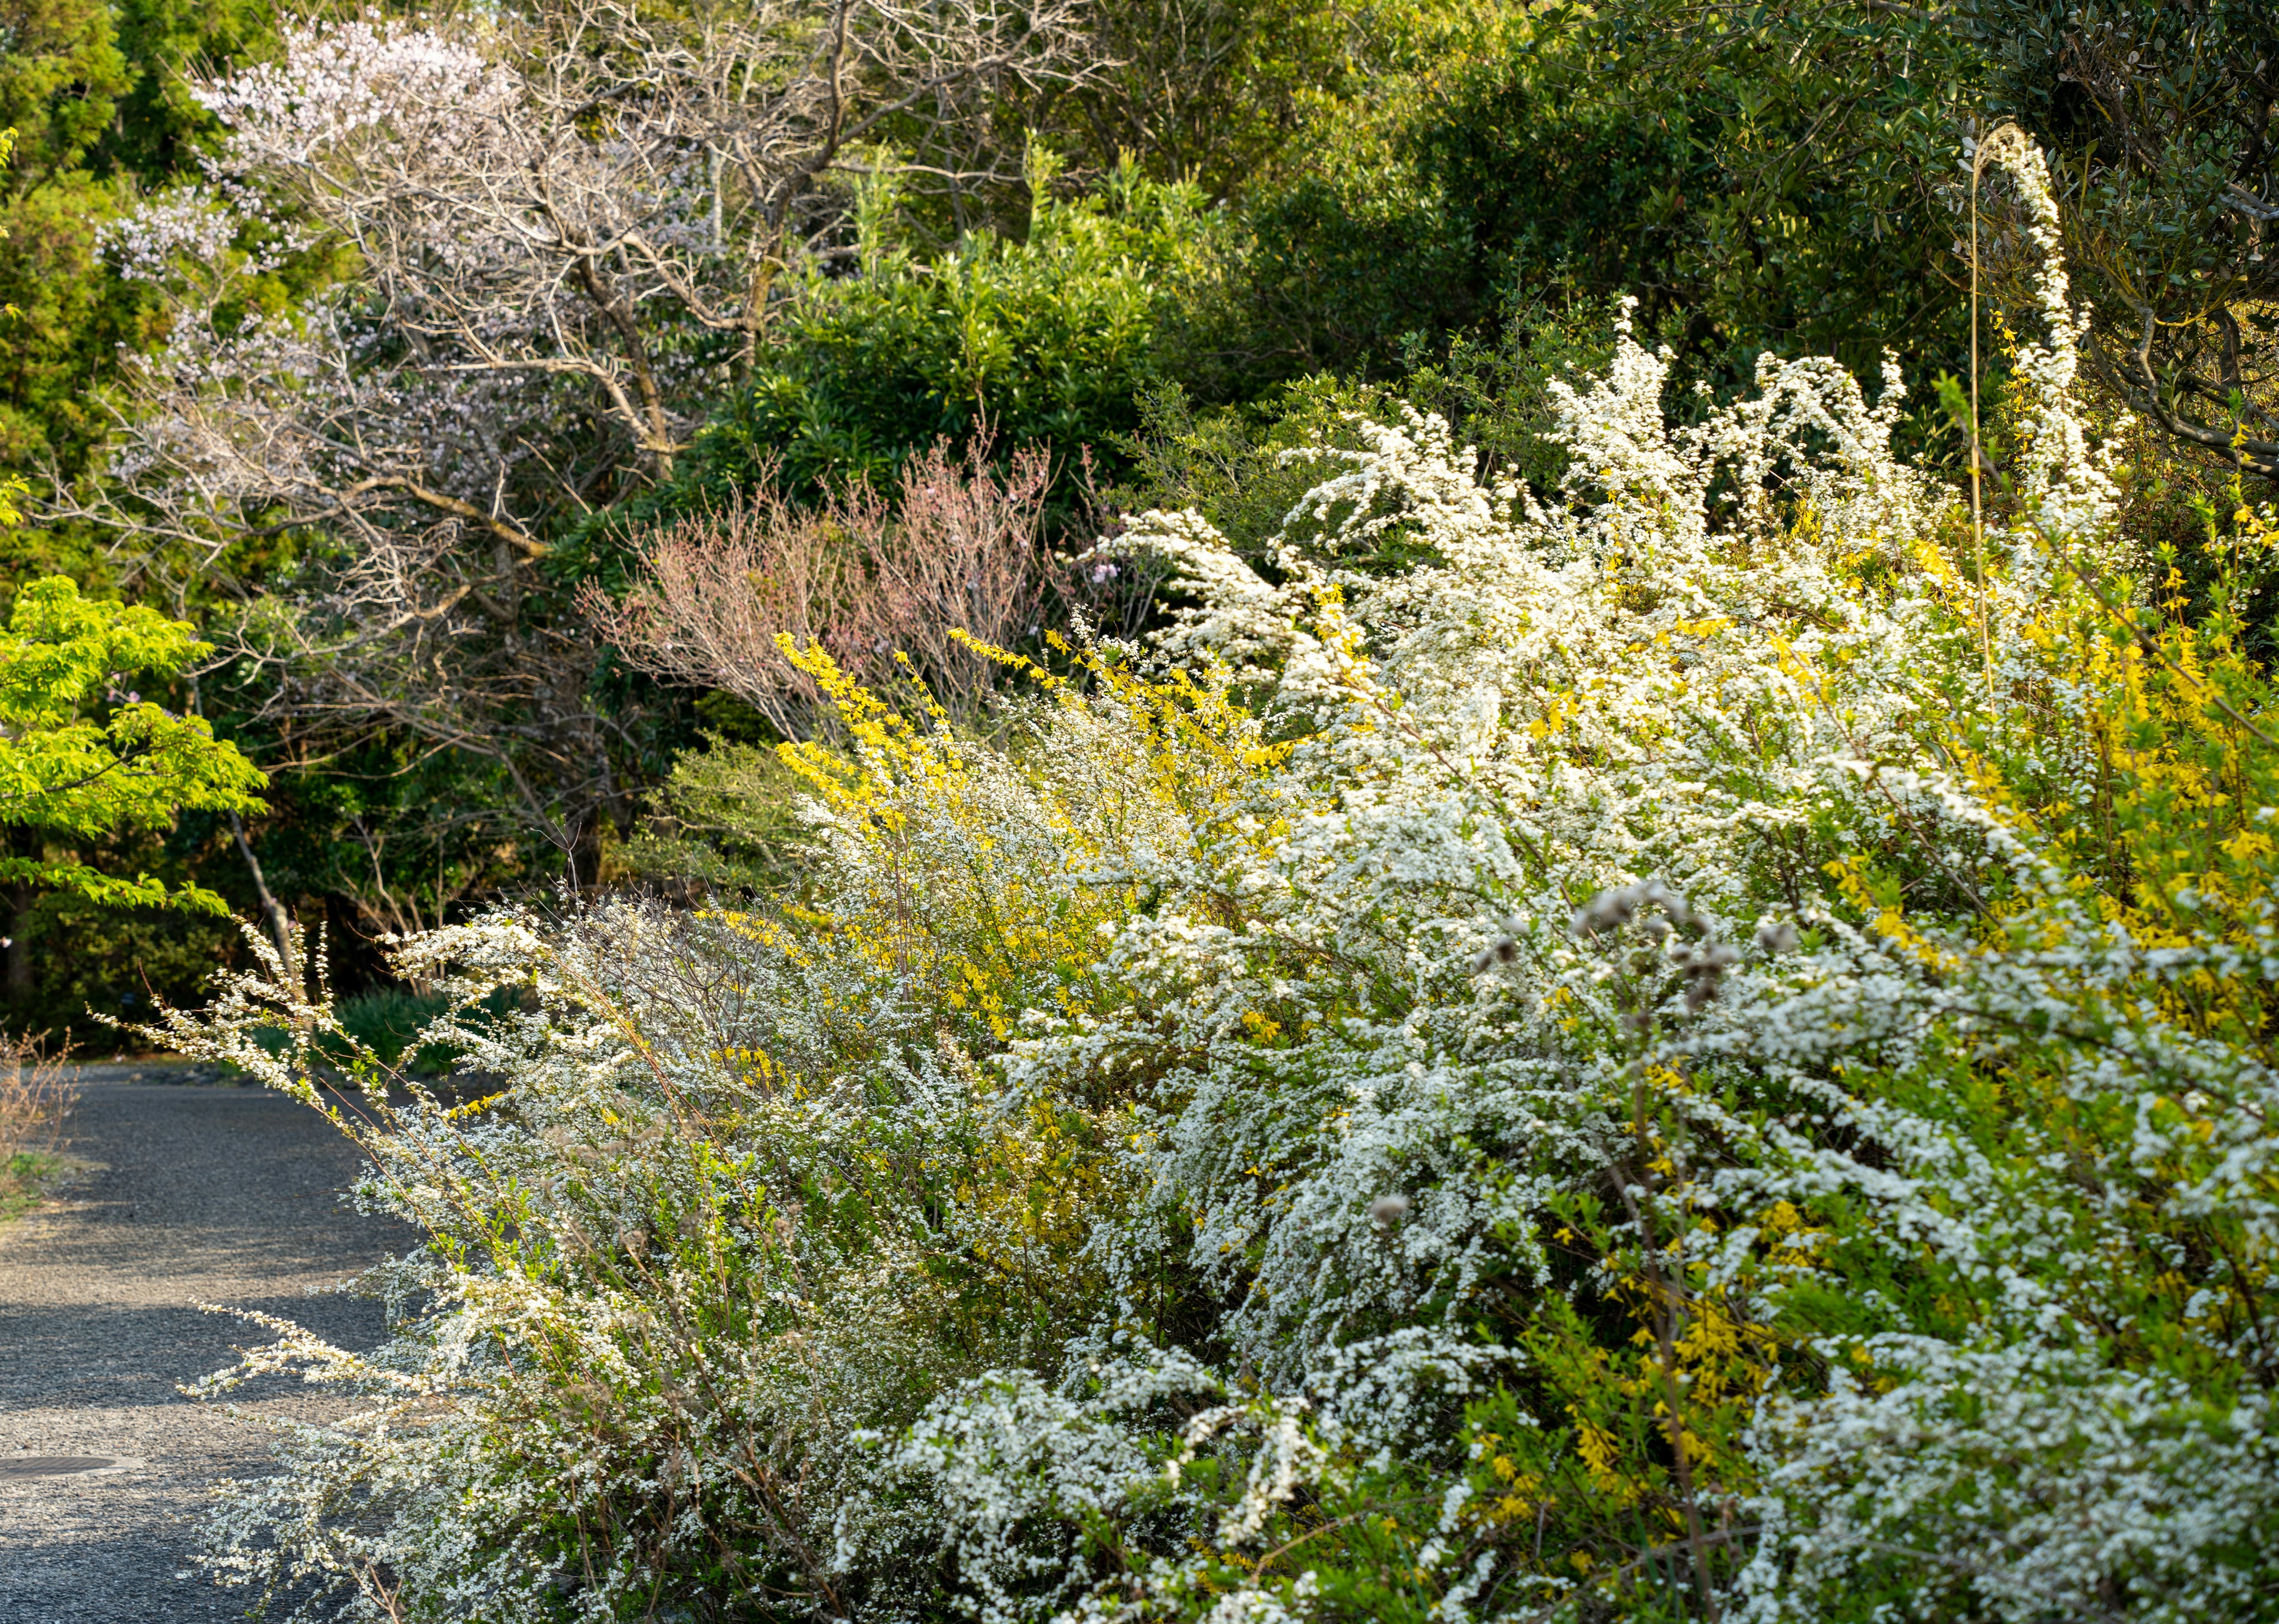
(1706, 1050)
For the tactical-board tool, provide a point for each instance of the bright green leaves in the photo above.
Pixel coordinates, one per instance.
(83, 752)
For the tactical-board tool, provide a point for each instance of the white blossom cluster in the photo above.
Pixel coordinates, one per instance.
(339, 80)
(472, 206)
(1362, 951)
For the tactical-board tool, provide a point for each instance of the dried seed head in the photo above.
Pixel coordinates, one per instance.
(1612, 906)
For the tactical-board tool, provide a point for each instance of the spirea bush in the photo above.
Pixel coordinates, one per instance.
(1695, 1054)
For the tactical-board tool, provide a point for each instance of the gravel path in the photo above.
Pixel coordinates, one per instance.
(209, 1193)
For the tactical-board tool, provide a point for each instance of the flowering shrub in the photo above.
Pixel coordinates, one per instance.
(1692, 1054)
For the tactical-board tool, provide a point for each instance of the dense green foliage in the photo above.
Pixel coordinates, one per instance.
(1735, 170)
(96, 93)
(1771, 178)
(88, 765)
(1047, 339)
(64, 773)
(96, 96)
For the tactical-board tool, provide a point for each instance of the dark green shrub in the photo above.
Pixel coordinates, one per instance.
(1738, 172)
(1047, 339)
(387, 1020)
(385, 1023)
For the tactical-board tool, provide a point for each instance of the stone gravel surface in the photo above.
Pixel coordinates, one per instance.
(199, 1194)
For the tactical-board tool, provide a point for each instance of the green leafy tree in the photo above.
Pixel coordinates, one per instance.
(102, 113)
(1218, 91)
(82, 754)
(79, 757)
(1783, 178)
(60, 76)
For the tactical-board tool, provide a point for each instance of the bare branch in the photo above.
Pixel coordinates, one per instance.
(957, 556)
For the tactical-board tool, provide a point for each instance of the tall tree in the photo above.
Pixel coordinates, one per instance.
(61, 75)
(96, 95)
(566, 224)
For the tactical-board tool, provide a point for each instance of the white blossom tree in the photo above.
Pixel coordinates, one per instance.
(563, 222)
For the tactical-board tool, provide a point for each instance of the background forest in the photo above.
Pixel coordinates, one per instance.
(389, 398)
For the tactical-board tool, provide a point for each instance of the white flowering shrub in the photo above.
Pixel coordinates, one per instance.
(1692, 1054)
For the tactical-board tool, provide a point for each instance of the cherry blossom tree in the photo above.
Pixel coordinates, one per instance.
(565, 222)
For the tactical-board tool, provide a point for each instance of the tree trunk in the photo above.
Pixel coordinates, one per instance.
(280, 922)
(19, 946)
